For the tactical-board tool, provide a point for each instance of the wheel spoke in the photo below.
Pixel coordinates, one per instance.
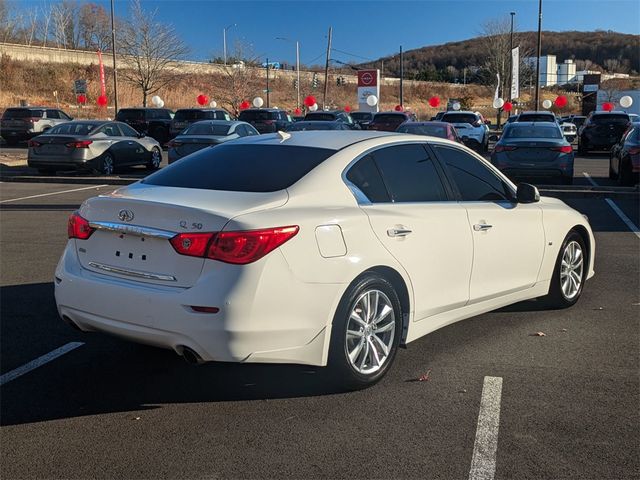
(386, 327)
(373, 349)
(384, 348)
(355, 333)
(353, 354)
(386, 310)
(365, 355)
(356, 318)
(374, 307)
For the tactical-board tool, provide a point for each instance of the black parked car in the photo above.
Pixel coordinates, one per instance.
(331, 116)
(186, 116)
(624, 160)
(23, 123)
(154, 122)
(601, 131)
(266, 120)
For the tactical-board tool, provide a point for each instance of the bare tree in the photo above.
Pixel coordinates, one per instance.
(152, 49)
(10, 22)
(94, 27)
(239, 80)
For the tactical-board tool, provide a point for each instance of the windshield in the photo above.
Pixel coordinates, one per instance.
(536, 117)
(431, 130)
(389, 118)
(21, 113)
(320, 116)
(362, 115)
(207, 129)
(194, 115)
(254, 115)
(615, 119)
(531, 131)
(130, 115)
(72, 129)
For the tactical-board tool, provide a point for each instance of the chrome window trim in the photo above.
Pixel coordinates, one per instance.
(132, 273)
(133, 230)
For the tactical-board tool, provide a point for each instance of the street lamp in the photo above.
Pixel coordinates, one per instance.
(224, 40)
(297, 65)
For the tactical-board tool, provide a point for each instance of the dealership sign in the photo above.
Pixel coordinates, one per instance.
(368, 84)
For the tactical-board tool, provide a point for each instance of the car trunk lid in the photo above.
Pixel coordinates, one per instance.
(533, 150)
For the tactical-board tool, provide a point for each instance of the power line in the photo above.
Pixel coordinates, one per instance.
(352, 55)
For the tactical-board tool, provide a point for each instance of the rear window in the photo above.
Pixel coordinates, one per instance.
(531, 131)
(536, 117)
(389, 118)
(207, 129)
(459, 118)
(361, 115)
(432, 130)
(257, 115)
(182, 115)
(241, 168)
(130, 115)
(21, 113)
(610, 119)
(320, 116)
(72, 129)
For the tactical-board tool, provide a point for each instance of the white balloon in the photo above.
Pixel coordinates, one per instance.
(155, 100)
(258, 102)
(313, 107)
(456, 105)
(372, 100)
(498, 103)
(547, 104)
(213, 104)
(626, 101)
(160, 104)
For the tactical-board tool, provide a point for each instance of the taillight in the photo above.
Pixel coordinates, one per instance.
(240, 247)
(565, 149)
(80, 144)
(78, 227)
(504, 148)
(634, 151)
(33, 144)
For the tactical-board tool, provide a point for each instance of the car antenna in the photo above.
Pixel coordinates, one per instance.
(283, 136)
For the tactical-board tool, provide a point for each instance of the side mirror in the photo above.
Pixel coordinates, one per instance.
(141, 135)
(527, 193)
(493, 138)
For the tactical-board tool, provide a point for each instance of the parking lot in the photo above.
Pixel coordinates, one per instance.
(80, 405)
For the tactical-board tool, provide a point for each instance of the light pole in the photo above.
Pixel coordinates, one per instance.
(297, 66)
(224, 40)
(538, 53)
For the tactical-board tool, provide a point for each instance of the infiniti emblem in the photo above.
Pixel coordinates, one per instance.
(125, 215)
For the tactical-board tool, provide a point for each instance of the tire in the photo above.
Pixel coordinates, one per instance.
(564, 297)
(625, 175)
(612, 174)
(46, 171)
(156, 159)
(106, 164)
(365, 366)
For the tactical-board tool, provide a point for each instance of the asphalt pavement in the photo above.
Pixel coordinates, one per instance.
(106, 408)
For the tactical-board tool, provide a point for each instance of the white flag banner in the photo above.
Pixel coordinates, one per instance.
(515, 73)
(495, 96)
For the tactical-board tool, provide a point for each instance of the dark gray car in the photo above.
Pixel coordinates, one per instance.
(23, 123)
(92, 144)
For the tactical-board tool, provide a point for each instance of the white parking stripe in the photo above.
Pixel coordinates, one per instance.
(483, 462)
(632, 226)
(38, 362)
(591, 180)
(55, 193)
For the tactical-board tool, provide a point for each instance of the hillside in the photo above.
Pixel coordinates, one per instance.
(607, 50)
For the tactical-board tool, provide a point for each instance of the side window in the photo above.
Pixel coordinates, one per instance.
(53, 114)
(409, 174)
(110, 130)
(250, 130)
(241, 131)
(366, 176)
(127, 131)
(475, 181)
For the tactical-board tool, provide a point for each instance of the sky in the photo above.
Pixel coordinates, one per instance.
(366, 29)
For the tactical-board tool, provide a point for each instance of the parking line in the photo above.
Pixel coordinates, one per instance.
(632, 226)
(483, 462)
(55, 193)
(591, 180)
(38, 362)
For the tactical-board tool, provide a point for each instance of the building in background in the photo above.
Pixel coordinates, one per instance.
(566, 72)
(548, 69)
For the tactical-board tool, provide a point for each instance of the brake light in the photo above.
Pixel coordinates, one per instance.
(33, 144)
(78, 227)
(504, 148)
(80, 144)
(565, 149)
(239, 248)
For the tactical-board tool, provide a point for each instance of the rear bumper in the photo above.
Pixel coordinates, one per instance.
(520, 172)
(58, 161)
(257, 322)
(14, 134)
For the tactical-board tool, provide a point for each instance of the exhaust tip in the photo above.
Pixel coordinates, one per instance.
(191, 357)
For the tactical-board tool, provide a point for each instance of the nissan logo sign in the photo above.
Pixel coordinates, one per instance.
(125, 215)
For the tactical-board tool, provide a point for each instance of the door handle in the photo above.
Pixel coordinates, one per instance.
(398, 232)
(481, 227)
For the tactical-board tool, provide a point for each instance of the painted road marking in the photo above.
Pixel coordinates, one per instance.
(38, 362)
(591, 180)
(55, 193)
(483, 462)
(632, 226)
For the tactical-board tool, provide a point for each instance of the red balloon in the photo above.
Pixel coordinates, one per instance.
(202, 99)
(507, 107)
(561, 101)
(434, 102)
(310, 101)
(607, 106)
(82, 98)
(244, 105)
(297, 111)
(102, 100)
(347, 108)
(398, 108)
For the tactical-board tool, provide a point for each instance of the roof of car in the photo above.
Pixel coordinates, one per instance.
(432, 122)
(331, 139)
(539, 112)
(200, 109)
(468, 112)
(612, 112)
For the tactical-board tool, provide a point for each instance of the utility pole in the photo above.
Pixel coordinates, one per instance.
(224, 40)
(298, 72)
(113, 52)
(267, 83)
(401, 76)
(326, 70)
(511, 57)
(464, 76)
(539, 53)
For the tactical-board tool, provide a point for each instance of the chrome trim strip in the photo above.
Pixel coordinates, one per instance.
(133, 230)
(132, 273)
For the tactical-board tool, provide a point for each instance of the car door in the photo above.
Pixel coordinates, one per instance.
(508, 237)
(136, 153)
(119, 147)
(411, 213)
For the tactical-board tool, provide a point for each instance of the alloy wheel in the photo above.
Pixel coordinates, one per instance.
(107, 164)
(571, 269)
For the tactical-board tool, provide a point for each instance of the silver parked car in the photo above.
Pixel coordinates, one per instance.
(207, 133)
(94, 145)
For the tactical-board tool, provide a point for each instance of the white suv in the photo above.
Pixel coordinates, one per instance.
(471, 126)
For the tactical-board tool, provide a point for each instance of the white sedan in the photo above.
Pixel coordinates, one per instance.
(319, 248)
